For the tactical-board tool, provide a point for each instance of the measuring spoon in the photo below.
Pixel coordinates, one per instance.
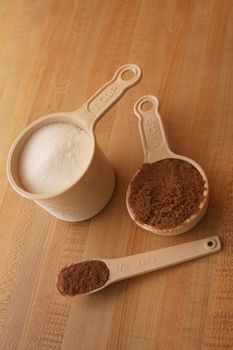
(134, 265)
(155, 147)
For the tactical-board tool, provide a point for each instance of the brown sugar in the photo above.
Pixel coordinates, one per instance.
(82, 277)
(166, 193)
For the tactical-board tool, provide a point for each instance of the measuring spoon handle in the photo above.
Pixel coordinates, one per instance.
(134, 265)
(108, 94)
(153, 137)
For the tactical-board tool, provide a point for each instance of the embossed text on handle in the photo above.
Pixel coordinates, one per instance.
(103, 99)
(152, 133)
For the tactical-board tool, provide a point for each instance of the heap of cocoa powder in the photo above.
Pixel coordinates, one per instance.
(82, 277)
(166, 193)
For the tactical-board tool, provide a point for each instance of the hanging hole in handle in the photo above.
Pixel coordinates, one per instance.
(210, 244)
(128, 74)
(146, 106)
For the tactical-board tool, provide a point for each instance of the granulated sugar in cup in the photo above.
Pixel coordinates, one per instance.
(54, 182)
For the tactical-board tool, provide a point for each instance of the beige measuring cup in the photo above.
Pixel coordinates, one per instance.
(155, 147)
(89, 193)
(134, 265)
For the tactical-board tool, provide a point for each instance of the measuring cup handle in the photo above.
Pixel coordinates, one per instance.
(154, 141)
(108, 94)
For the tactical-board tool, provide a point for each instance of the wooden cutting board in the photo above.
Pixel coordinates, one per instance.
(53, 55)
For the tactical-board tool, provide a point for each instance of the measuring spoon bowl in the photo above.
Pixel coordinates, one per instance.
(156, 148)
(88, 194)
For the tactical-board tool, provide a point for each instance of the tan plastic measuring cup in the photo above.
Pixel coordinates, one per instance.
(155, 147)
(91, 192)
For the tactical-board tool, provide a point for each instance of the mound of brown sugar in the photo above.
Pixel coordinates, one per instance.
(82, 277)
(166, 193)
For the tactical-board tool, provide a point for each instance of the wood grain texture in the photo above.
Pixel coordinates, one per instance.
(53, 55)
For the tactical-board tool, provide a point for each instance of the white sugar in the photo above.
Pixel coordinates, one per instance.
(54, 157)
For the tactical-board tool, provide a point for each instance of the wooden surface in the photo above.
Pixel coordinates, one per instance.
(53, 55)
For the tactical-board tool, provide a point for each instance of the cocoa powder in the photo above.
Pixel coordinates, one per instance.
(166, 193)
(82, 277)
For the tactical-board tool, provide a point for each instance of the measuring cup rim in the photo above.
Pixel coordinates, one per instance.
(43, 196)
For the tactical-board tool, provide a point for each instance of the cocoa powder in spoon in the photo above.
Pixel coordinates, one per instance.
(164, 194)
(82, 277)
